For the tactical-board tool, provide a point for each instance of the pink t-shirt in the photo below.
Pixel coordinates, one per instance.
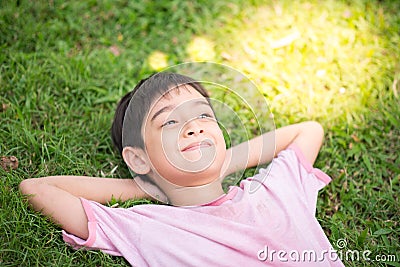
(273, 226)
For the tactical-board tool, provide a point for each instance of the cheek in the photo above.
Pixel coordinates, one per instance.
(221, 150)
(161, 148)
(217, 132)
(153, 146)
(169, 138)
(168, 145)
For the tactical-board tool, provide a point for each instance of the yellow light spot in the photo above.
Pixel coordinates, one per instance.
(158, 60)
(201, 49)
(120, 37)
(320, 73)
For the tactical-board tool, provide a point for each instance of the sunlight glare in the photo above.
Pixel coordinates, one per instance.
(158, 60)
(201, 49)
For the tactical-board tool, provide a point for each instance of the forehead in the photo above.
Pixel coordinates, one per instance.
(175, 97)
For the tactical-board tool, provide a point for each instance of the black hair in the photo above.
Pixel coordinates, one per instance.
(117, 124)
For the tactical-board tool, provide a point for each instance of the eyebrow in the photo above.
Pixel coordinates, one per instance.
(162, 110)
(171, 107)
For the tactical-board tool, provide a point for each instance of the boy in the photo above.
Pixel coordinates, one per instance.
(171, 139)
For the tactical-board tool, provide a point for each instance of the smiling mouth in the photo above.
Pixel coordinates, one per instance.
(196, 146)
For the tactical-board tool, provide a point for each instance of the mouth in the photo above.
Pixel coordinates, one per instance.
(197, 145)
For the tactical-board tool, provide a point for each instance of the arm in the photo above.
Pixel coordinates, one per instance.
(307, 136)
(58, 197)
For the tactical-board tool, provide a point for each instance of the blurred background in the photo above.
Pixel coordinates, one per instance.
(65, 65)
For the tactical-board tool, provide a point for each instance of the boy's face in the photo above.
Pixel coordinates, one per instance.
(182, 138)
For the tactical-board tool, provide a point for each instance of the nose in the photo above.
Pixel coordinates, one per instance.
(192, 128)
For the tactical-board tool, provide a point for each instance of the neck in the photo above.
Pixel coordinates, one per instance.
(194, 195)
(191, 195)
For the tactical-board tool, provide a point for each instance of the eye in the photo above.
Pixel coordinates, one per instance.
(170, 122)
(205, 115)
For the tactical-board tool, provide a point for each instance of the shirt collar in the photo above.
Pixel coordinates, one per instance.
(225, 197)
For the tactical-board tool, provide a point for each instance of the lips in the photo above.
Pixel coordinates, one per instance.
(196, 145)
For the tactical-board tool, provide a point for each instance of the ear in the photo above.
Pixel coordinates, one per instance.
(136, 160)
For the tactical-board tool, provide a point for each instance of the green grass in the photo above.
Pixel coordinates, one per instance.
(339, 64)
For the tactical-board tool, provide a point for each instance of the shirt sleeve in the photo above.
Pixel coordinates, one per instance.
(97, 240)
(323, 177)
(293, 178)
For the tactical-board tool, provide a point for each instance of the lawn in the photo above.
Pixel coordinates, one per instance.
(64, 66)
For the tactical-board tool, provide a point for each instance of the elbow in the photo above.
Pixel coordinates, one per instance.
(29, 186)
(317, 130)
(25, 187)
(317, 126)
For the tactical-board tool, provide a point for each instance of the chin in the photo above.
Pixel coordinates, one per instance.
(187, 173)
